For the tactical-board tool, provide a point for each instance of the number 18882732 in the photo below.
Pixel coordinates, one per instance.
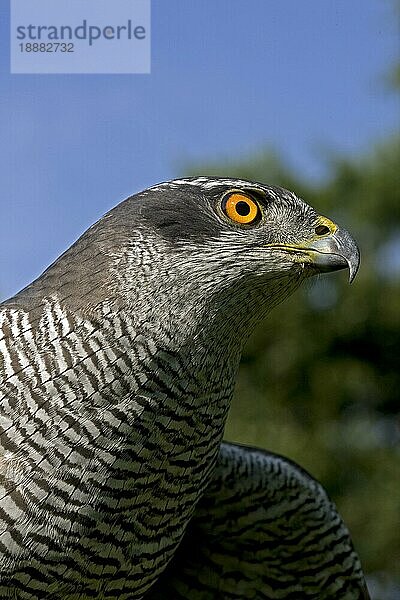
(46, 47)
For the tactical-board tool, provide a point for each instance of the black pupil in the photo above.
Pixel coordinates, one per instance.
(242, 209)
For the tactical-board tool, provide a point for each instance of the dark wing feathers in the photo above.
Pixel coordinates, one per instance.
(264, 529)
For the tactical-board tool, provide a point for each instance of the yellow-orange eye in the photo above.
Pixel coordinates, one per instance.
(241, 208)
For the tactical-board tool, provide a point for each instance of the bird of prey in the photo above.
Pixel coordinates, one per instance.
(117, 368)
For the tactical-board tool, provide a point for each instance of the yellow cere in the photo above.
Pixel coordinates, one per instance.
(324, 226)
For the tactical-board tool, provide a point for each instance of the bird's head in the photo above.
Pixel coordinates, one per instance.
(225, 249)
(197, 254)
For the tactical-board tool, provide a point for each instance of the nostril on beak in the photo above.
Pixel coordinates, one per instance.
(322, 230)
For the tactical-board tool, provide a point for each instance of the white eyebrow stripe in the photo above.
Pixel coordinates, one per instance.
(208, 183)
(205, 182)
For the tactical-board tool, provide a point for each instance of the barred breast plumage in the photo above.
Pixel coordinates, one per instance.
(117, 368)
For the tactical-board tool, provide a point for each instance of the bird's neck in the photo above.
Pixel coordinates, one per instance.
(181, 357)
(155, 379)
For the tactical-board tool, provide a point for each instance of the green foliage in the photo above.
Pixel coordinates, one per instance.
(320, 380)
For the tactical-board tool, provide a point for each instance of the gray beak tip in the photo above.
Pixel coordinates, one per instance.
(352, 255)
(337, 251)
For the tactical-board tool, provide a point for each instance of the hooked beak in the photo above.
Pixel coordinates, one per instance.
(335, 251)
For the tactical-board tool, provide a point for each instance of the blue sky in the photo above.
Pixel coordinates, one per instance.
(228, 77)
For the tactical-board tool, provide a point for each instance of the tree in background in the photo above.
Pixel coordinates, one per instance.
(320, 381)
